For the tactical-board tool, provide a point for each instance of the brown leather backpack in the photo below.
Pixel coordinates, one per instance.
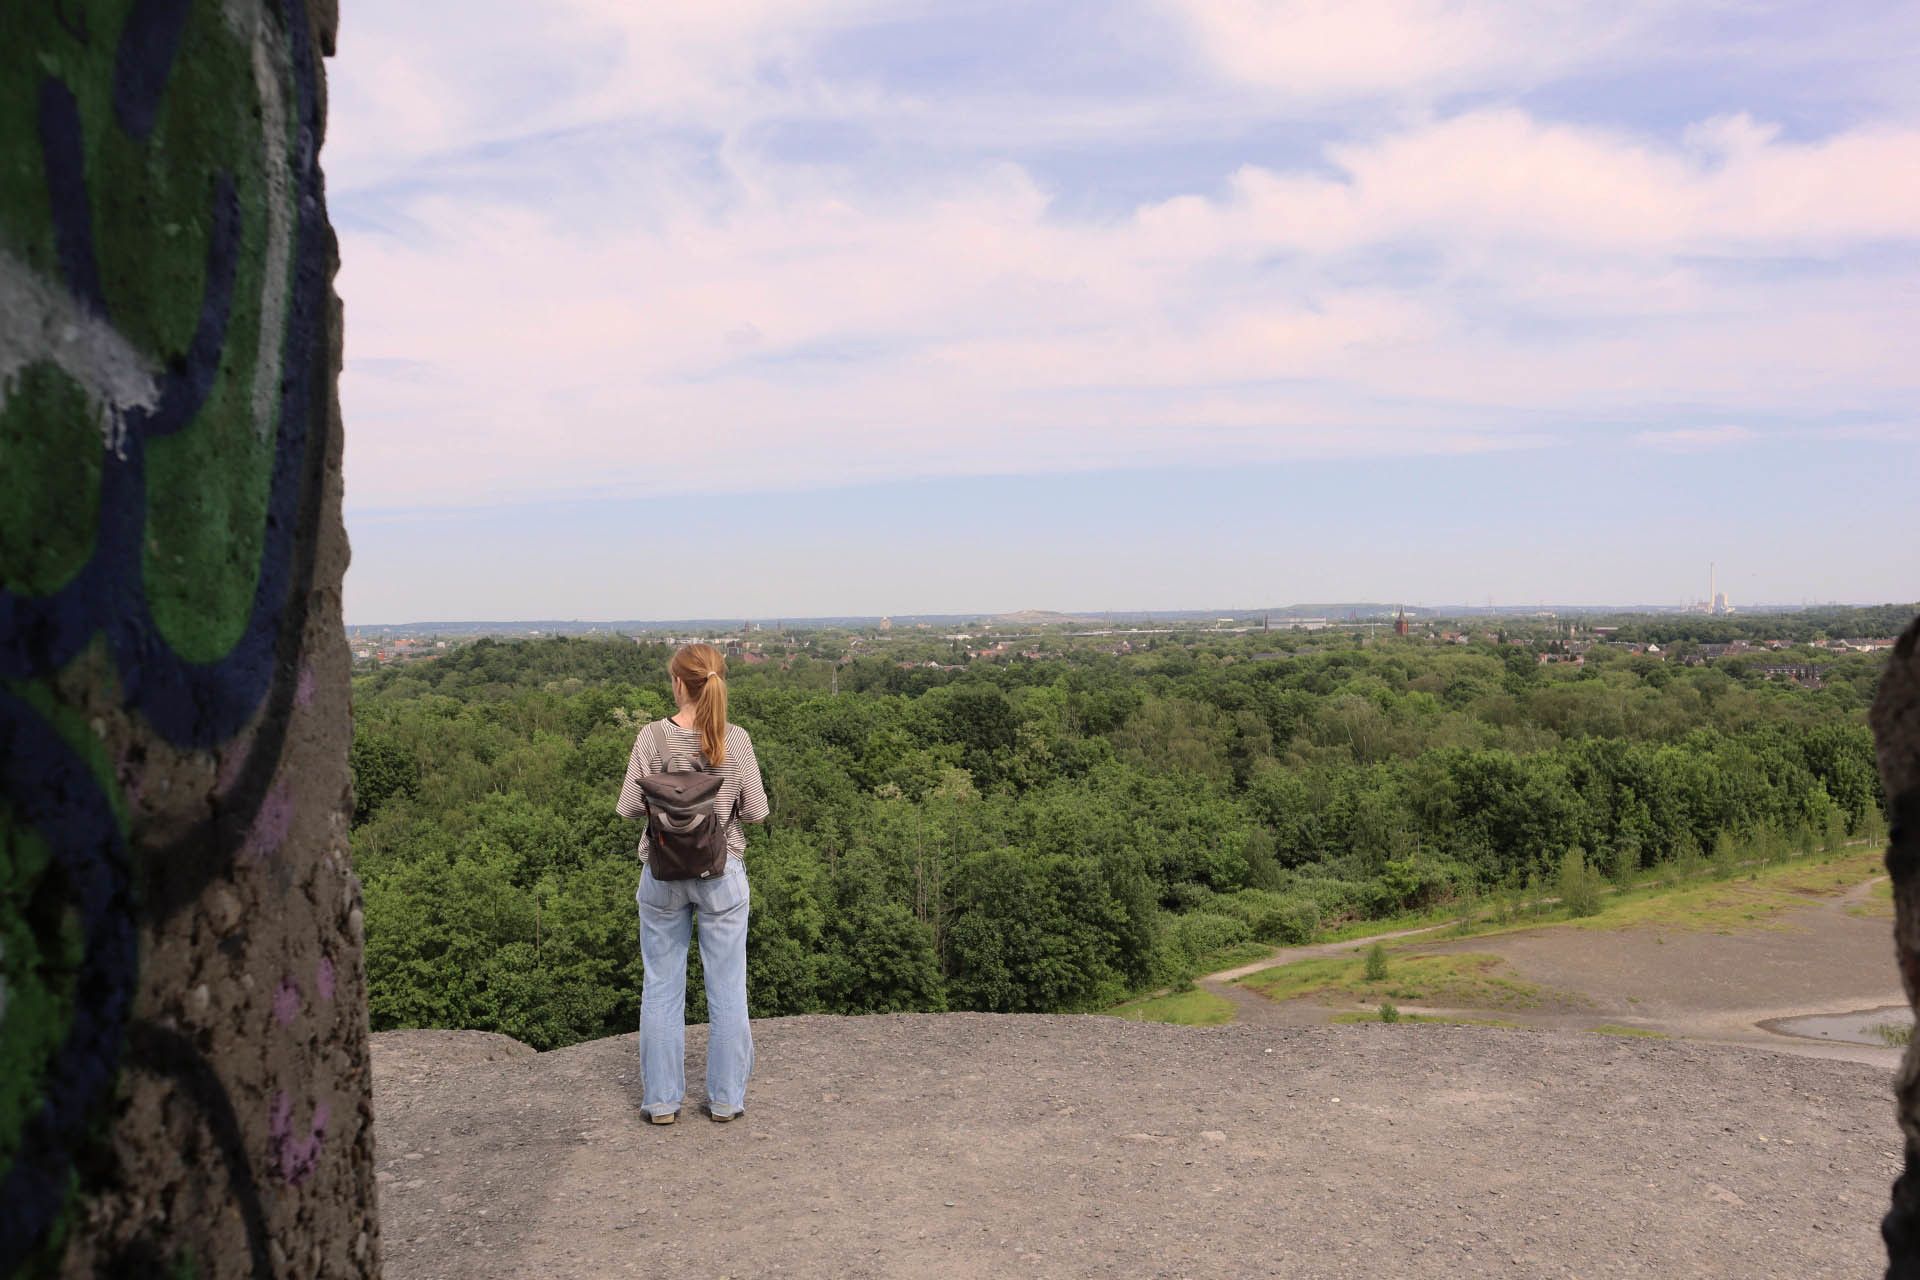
(686, 836)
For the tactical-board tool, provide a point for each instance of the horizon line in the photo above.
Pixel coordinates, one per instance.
(1078, 615)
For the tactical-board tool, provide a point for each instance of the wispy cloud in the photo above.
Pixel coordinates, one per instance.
(1693, 439)
(622, 249)
(1318, 49)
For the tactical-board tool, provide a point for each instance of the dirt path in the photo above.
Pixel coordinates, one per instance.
(1318, 951)
(1257, 1011)
(970, 1145)
(1251, 1010)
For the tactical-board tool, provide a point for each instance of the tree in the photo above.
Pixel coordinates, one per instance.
(382, 769)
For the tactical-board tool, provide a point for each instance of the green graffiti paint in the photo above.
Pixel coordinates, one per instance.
(50, 497)
(40, 950)
(207, 485)
(151, 220)
(203, 535)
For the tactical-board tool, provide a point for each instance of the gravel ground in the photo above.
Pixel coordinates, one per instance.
(973, 1145)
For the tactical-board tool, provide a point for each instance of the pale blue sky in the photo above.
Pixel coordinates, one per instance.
(1167, 304)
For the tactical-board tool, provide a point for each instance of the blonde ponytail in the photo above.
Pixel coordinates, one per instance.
(701, 668)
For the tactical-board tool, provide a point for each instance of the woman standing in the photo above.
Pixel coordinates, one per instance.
(698, 735)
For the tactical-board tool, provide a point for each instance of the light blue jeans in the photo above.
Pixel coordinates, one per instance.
(667, 909)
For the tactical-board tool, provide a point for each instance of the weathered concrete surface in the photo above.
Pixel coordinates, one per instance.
(1896, 729)
(184, 1085)
(988, 1145)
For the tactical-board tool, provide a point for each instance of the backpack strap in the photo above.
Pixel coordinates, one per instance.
(658, 733)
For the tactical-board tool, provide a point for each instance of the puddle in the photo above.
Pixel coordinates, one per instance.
(1860, 1026)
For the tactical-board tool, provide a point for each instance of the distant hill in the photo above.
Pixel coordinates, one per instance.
(1040, 618)
(1337, 611)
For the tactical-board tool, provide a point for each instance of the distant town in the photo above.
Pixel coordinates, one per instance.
(1775, 644)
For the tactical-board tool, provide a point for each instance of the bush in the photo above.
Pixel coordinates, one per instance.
(1579, 884)
(1202, 933)
(1167, 965)
(1726, 857)
(1281, 918)
(1376, 963)
(1688, 862)
(1188, 896)
(1336, 899)
(1509, 901)
(1624, 864)
(1291, 922)
(1389, 1012)
(1533, 896)
(1409, 884)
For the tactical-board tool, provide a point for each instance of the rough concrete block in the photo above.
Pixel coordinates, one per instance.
(183, 1064)
(1896, 731)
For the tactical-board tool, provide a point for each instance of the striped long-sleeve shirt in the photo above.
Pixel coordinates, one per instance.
(739, 779)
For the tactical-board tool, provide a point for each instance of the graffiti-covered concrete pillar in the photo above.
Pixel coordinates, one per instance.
(1896, 729)
(183, 1057)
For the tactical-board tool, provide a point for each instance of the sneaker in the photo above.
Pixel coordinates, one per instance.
(720, 1117)
(661, 1117)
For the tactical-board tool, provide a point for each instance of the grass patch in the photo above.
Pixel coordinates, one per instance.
(1469, 981)
(1895, 1035)
(1433, 1018)
(1659, 896)
(1189, 1009)
(1376, 965)
(1701, 904)
(1879, 903)
(1818, 875)
(1637, 1033)
(1726, 906)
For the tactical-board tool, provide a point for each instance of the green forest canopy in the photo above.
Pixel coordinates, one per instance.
(1049, 835)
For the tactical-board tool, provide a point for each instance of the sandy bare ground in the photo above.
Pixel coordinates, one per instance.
(972, 1145)
(1712, 987)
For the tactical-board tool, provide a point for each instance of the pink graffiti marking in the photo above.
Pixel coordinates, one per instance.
(303, 691)
(232, 761)
(296, 1157)
(270, 825)
(323, 978)
(286, 1002)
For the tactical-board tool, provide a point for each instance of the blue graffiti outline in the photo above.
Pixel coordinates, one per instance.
(143, 63)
